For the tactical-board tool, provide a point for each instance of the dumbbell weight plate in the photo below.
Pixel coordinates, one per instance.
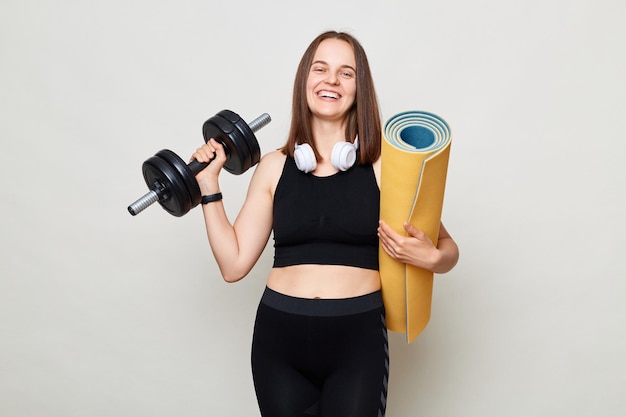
(185, 173)
(177, 200)
(249, 140)
(236, 149)
(255, 150)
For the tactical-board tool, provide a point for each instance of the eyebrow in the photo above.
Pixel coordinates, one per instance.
(326, 63)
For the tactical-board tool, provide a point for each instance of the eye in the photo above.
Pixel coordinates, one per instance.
(347, 74)
(318, 69)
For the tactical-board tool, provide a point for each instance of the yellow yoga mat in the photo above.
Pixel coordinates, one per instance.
(415, 152)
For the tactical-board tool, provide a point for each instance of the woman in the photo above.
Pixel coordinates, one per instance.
(320, 341)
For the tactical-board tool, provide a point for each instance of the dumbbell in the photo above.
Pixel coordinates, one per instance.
(172, 181)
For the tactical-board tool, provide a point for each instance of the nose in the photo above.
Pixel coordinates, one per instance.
(332, 79)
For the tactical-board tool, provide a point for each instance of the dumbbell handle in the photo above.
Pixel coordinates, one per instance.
(194, 166)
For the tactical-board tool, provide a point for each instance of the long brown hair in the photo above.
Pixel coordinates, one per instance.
(363, 117)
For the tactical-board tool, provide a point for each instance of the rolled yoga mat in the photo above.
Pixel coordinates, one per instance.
(415, 152)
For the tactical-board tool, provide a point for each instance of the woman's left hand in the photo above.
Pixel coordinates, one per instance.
(415, 249)
(418, 249)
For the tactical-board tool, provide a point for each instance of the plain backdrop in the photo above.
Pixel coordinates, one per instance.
(106, 314)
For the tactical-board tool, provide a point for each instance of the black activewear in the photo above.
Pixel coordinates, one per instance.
(326, 220)
(320, 357)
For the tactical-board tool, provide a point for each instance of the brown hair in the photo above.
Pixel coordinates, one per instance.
(363, 117)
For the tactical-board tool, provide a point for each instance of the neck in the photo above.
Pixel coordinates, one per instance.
(327, 133)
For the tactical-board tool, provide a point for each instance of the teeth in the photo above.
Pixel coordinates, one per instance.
(328, 94)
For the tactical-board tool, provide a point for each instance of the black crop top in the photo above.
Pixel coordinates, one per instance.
(326, 220)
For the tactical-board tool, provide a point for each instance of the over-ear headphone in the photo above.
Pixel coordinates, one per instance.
(342, 157)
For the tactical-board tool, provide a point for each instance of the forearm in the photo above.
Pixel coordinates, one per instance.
(446, 256)
(220, 232)
(223, 241)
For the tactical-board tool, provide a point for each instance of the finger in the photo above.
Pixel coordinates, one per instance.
(203, 154)
(409, 228)
(389, 250)
(413, 231)
(392, 237)
(386, 230)
(384, 236)
(200, 155)
(196, 156)
(210, 147)
(215, 145)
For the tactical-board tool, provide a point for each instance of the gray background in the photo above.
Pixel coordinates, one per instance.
(105, 314)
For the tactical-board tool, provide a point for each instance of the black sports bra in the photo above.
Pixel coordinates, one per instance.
(326, 220)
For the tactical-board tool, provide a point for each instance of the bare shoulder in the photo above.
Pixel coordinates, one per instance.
(272, 163)
(270, 168)
(274, 157)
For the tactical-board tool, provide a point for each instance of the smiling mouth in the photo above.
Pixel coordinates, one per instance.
(328, 94)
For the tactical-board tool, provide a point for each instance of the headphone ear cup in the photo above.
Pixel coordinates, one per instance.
(305, 157)
(343, 155)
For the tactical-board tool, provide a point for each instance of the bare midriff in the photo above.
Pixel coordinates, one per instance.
(323, 281)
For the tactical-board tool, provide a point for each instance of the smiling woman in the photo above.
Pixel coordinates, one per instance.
(320, 338)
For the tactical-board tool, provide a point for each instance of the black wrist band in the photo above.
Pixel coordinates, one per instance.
(206, 199)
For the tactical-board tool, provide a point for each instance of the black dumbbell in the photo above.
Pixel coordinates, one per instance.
(172, 181)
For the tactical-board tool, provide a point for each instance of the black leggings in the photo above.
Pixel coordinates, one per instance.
(320, 357)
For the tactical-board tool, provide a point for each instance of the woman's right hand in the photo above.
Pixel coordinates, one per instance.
(212, 152)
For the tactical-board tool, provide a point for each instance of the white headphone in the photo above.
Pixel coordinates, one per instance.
(342, 157)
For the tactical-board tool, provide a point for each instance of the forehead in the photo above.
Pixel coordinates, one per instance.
(335, 51)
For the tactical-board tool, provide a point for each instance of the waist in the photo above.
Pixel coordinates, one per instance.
(323, 281)
(322, 307)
